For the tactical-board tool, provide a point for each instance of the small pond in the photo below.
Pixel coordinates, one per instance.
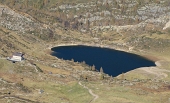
(113, 62)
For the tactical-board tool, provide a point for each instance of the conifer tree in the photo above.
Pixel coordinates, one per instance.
(93, 68)
(101, 70)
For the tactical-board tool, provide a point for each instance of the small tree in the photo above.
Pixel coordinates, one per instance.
(72, 60)
(84, 62)
(93, 68)
(101, 70)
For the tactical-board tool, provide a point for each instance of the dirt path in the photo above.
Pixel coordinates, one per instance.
(23, 99)
(160, 73)
(90, 91)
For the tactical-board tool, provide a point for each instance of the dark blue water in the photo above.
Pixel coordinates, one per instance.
(112, 61)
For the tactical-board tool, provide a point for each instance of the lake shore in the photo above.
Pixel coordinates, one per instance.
(148, 57)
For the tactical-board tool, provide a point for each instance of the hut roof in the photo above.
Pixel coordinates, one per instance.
(18, 54)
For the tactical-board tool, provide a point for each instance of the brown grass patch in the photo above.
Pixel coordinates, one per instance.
(53, 70)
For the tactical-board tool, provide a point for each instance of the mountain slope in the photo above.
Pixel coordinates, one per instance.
(34, 26)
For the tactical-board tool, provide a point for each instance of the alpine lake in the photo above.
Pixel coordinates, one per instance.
(112, 61)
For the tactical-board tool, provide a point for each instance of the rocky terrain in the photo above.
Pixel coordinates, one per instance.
(35, 26)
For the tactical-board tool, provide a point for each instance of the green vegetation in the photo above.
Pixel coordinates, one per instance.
(74, 92)
(42, 24)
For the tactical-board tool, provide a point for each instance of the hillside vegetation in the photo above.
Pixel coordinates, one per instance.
(35, 26)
